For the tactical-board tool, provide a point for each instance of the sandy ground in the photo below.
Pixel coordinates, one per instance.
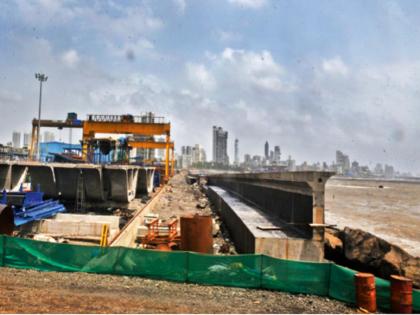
(29, 291)
(391, 212)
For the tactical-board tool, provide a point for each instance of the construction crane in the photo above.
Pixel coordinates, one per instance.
(142, 125)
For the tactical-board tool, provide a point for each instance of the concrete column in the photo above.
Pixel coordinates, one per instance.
(5, 175)
(43, 175)
(18, 174)
(93, 182)
(122, 182)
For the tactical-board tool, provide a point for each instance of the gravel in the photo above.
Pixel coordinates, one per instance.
(30, 291)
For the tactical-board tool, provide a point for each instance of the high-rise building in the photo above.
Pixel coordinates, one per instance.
(16, 139)
(236, 152)
(277, 154)
(343, 162)
(220, 146)
(26, 140)
(49, 136)
(198, 154)
(267, 150)
(389, 171)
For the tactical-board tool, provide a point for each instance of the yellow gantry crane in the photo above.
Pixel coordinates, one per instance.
(143, 125)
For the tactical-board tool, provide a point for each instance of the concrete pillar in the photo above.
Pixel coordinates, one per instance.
(5, 175)
(93, 183)
(18, 174)
(121, 181)
(66, 177)
(43, 175)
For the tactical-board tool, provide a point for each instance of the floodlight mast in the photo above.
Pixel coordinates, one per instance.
(41, 78)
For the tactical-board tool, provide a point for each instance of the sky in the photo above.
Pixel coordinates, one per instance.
(309, 76)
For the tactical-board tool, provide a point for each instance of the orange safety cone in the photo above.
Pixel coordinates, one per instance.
(365, 291)
(401, 295)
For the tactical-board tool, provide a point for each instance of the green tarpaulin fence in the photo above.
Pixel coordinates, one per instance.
(246, 271)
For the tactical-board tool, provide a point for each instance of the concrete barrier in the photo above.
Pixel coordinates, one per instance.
(279, 214)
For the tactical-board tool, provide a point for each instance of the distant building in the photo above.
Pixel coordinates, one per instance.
(247, 160)
(343, 162)
(277, 154)
(27, 140)
(220, 146)
(378, 170)
(191, 155)
(16, 139)
(266, 150)
(389, 171)
(49, 136)
(198, 154)
(236, 152)
(291, 164)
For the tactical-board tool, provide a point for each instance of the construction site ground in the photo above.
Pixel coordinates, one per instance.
(30, 291)
(180, 198)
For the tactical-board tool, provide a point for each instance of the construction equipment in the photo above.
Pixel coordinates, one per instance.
(30, 206)
(161, 236)
(146, 125)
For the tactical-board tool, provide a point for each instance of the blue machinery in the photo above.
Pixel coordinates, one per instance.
(30, 206)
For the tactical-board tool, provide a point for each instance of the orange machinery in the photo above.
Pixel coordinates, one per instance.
(143, 125)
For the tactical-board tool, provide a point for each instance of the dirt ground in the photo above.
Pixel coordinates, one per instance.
(180, 198)
(29, 291)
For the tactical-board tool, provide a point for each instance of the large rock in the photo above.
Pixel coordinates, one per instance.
(369, 252)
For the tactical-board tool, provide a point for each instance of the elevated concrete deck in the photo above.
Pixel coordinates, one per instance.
(117, 183)
(246, 226)
(291, 201)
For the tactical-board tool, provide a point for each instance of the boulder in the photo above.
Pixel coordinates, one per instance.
(369, 252)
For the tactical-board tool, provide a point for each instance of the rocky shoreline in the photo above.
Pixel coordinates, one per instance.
(363, 251)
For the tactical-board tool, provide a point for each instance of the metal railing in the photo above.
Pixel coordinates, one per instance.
(142, 118)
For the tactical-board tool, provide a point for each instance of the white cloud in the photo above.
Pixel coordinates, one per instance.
(252, 69)
(252, 4)
(70, 58)
(200, 76)
(181, 5)
(335, 66)
(136, 20)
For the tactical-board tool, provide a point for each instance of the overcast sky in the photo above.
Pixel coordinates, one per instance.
(310, 76)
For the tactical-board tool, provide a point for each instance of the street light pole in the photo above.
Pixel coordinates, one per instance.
(41, 78)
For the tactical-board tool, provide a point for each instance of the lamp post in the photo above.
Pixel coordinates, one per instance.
(41, 78)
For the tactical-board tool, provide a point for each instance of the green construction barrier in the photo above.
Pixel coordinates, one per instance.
(383, 293)
(152, 264)
(342, 284)
(295, 276)
(416, 300)
(247, 271)
(25, 253)
(238, 271)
